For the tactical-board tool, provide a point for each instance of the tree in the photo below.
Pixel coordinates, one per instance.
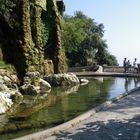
(83, 40)
(37, 32)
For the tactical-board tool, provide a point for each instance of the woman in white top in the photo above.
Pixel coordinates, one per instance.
(135, 66)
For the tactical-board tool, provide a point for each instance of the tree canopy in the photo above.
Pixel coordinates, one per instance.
(83, 41)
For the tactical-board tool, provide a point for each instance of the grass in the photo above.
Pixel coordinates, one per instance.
(4, 65)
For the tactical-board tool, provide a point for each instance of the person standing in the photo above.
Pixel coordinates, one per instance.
(125, 65)
(128, 66)
(135, 65)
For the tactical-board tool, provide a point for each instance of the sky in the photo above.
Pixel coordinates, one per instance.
(121, 19)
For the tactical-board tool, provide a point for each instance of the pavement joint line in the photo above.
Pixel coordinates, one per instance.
(65, 126)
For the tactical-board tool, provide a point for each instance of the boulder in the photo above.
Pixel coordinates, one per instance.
(32, 78)
(5, 102)
(16, 96)
(3, 87)
(8, 90)
(1, 79)
(33, 84)
(8, 78)
(28, 89)
(84, 81)
(62, 79)
(44, 86)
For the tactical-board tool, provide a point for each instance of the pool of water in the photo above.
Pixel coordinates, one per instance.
(35, 113)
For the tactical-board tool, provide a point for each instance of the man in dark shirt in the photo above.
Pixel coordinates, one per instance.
(125, 65)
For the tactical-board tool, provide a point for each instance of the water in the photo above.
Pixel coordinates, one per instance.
(36, 113)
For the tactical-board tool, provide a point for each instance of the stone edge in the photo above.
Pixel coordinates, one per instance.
(62, 127)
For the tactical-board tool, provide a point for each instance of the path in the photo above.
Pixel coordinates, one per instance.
(120, 121)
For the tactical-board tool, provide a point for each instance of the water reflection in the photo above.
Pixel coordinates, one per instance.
(35, 113)
(136, 82)
(100, 79)
(127, 82)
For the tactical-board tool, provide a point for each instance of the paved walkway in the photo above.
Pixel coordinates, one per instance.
(120, 121)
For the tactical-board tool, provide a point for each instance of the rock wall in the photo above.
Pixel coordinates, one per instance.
(1, 55)
(5, 102)
(8, 90)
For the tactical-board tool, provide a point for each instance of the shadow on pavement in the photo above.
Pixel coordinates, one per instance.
(111, 130)
(126, 127)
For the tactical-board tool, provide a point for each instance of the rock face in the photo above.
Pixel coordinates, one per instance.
(8, 79)
(8, 90)
(62, 79)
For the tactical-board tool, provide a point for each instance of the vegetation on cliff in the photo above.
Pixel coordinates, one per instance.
(32, 31)
(21, 33)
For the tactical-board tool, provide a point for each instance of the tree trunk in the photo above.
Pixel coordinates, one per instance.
(32, 54)
(26, 37)
(54, 47)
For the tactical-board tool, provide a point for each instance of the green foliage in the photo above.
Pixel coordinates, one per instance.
(4, 65)
(83, 41)
(6, 6)
(44, 27)
(104, 57)
(61, 7)
(111, 60)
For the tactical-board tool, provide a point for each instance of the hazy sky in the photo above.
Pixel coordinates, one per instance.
(121, 19)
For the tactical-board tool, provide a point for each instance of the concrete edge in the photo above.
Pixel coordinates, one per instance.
(89, 73)
(62, 127)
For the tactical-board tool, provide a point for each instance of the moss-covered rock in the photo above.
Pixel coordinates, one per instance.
(33, 84)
